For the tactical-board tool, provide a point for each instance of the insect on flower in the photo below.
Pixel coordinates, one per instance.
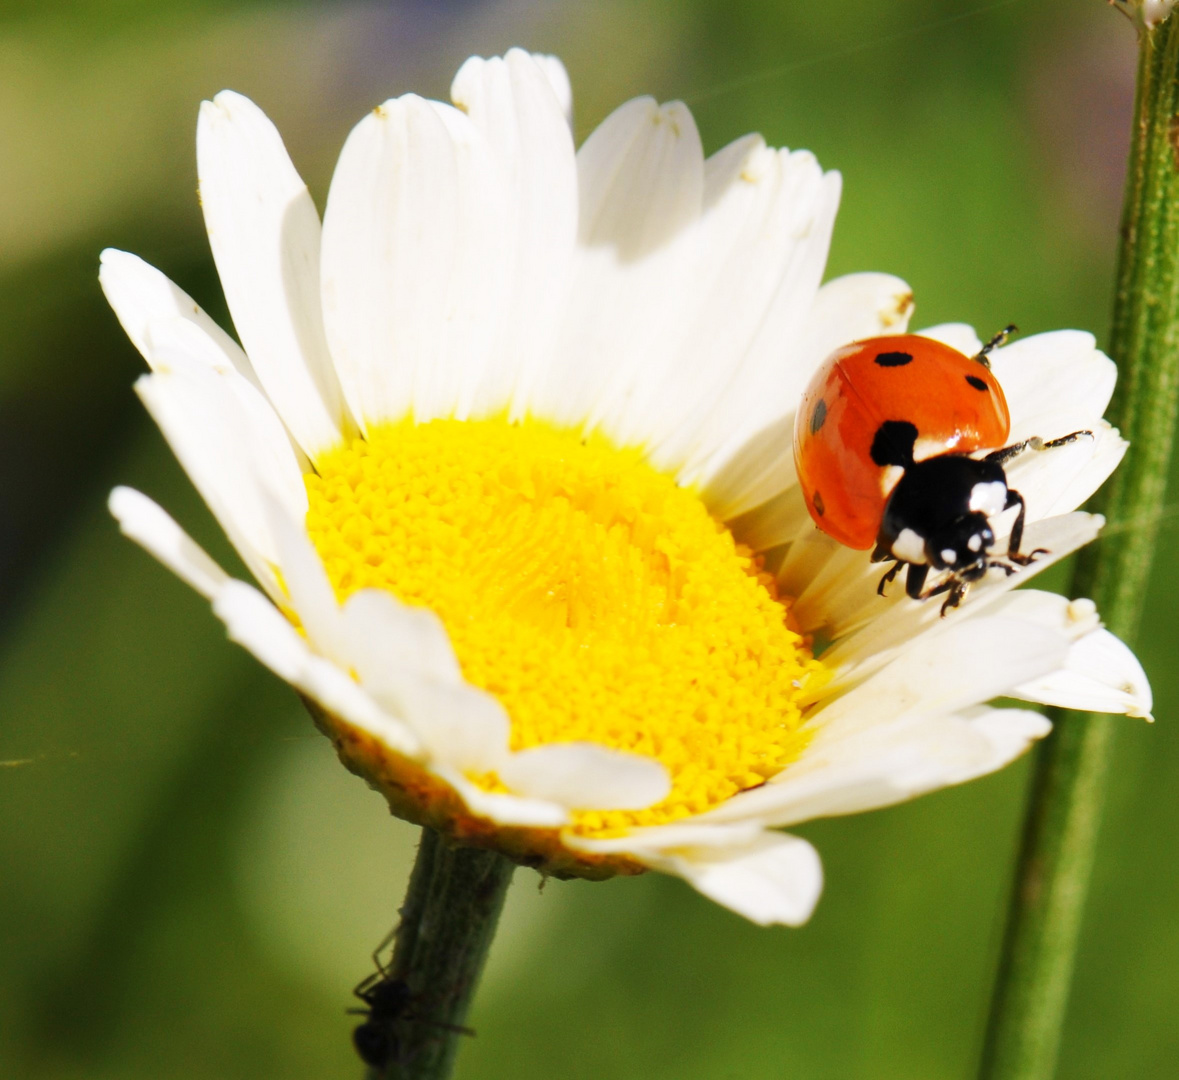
(883, 443)
(388, 1002)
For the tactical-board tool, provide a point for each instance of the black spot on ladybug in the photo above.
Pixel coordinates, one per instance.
(818, 504)
(818, 416)
(894, 359)
(976, 382)
(893, 443)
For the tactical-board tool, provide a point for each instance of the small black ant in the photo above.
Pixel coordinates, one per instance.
(388, 1002)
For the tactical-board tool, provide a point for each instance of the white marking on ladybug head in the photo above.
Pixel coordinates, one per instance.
(949, 556)
(989, 498)
(975, 543)
(909, 546)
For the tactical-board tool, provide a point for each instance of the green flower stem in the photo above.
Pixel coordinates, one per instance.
(1068, 791)
(449, 917)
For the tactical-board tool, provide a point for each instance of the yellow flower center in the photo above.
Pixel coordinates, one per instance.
(593, 597)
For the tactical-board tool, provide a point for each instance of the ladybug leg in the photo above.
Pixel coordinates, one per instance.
(1001, 457)
(996, 342)
(1014, 498)
(915, 580)
(889, 576)
(954, 586)
(958, 590)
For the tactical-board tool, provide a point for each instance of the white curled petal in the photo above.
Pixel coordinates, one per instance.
(384, 635)
(585, 776)
(265, 236)
(511, 101)
(257, 625)
(503, 809)
(1055, 383)
(1101, 674)
(141, 295)
(960, 336)
(640, 185)
(153, 529)
(774, 880)
(887, 764)
(759, 463)
(414, 269)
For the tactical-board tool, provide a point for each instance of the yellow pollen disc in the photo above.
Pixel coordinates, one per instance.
(593, 597)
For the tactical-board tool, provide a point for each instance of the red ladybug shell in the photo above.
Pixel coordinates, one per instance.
(954, 401)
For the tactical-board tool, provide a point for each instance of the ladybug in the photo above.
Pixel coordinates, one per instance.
(883, 444)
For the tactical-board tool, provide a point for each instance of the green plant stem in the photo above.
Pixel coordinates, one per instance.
(448, 920)
(1068, 790)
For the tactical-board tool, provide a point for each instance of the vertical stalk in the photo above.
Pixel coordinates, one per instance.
(1068, 791)
(451, 909)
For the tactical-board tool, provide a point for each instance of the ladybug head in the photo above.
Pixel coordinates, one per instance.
(962, 546)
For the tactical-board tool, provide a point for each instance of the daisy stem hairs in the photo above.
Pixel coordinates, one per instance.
(1068, 791)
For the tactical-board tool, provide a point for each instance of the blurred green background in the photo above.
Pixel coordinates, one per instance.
(190, 885)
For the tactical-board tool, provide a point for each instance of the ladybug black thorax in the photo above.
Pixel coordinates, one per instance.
(937, 515)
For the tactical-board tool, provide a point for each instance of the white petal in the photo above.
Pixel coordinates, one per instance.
(503, 809)
(840, 598)
(511, 101)
(641, 182)
(887, 764)
(140, 295)
(776, 879)
(960, 336)
(950, 667)
(558, 79)
(584, 776)
(148, 525)
(1101, 674)
(457, 724)
(1059, 479)
(658, 839)
(306, 582)
(414, 269)
(460, 726)
(256, 624)
(755, 466)
(224, 451)
(176, 344)
(1055, 383)
(265, 236)
(385, 633)
(762, 243)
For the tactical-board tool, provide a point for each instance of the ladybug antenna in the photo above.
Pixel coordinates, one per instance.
(893, 443)
(998, 341)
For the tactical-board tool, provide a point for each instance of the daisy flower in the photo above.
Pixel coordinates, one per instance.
(506, 445)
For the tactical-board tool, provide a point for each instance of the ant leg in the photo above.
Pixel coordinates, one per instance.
(1001, 457)
(890, 574)
(996, 342)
